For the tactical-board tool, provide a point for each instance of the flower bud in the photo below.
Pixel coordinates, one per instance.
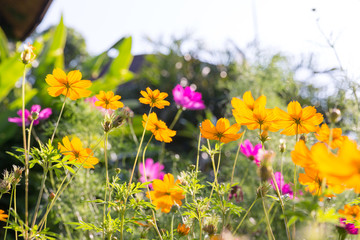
(117, 170)
(34, 115)
(303, 137)
(51, 196)
(107, 126)
(334, 115)
(265, 170)
(28, 55)
(282, 146)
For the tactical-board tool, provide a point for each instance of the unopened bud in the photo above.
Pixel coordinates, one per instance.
(107, 126)
(334, 115)
(303, 137)
(265, 170)
(34, 115)
(117, 170)
(210, 229)
(51, 196)
(28, 55)
(262, 191)
(282, 146)
(264, 136)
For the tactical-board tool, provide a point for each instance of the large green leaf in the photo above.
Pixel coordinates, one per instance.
(118, 72)
(11, 70)
(4, 50)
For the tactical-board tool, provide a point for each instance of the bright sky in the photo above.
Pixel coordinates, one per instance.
(283, 26)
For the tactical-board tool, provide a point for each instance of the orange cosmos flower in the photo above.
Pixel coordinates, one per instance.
(183, 230)
(323, 135)
(297, 120)
(108, 100)
(161, 132)
(166, 193)
(77, 153)
(253, 114)
(69, 85)
(3, 216)
(154, 98)
(341, 168)
(351, 212)
(223, 132)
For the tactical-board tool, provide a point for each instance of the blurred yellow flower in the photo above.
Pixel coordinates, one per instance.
(223, 132)
(323, 135)
(77, 153)
(154, 98)
(297, 120)
(351, 212)
(166, 193)
(108, 100)
(69, 85)
(161, 132)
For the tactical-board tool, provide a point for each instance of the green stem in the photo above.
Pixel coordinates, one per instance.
(39, 196)
(282, 206)
(247, 212)
(26, 155)
(198, 155)
(270, 232)
(9, 212)
(172, 227)
(107, 179)
(57, 123)
(236, 157)
(176, 118)
(133, 132)
(15, 209)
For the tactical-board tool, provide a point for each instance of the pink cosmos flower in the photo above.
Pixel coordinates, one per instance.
(153, 171)
(188, 98)
(250, 151)
(283, 188)
(42, 115)
(349, 227)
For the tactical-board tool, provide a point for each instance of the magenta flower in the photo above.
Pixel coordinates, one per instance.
(188, 98)
(236, 193)
(250, 151)
(283, 188)
(30, 115)
(349, 227)
(153, 171)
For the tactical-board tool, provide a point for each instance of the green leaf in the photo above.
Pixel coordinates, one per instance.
(4, 50)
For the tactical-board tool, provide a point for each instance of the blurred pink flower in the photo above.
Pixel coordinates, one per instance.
(35, 109)
(250, 151)
(153, 171)
(283, 188)
(188, 98)
(349, 227)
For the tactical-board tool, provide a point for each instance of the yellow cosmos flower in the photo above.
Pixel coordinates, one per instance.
(154, 98)
(77, 153)
(223, 132)
(253, 114)
(69, 85)
(3, 216)
(161, 132)
(351, 212)
(108, 100)
(323, 135)
(166, 193)
(302, 156)
(297, 120)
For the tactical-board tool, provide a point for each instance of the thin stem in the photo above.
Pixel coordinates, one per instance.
(15, 209)
(198, 155)
(9, 212)
(236, 157)
(39, 196)
(138, 151)
(295, 184)
(219, 158)
(266, 214)
(172, 227)
(247, 212)
(176, 118)
(107, 178)
(282, 206)
(57, 123)
(133, 132)
(26, 155)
